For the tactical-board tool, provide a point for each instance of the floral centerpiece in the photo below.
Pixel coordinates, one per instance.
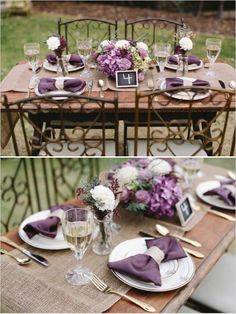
(185, 44)
(103, 201)
(58, 44)
(149, 186)
(122, 55)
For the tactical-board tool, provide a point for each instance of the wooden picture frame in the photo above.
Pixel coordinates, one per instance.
(127, 78)
(184, 210)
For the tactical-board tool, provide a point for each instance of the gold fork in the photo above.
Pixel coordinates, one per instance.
(100, 285)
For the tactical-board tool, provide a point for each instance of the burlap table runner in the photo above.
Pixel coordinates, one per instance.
(34, 288)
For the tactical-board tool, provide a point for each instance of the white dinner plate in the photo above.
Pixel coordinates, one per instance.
(59, 92)
(40, 241)
(53, 68)
(191, 67)
(213, 200)
(185, 95)
(174, 274)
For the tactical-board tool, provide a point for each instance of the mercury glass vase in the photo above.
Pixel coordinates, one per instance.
(182, 67)
(62, 66)
(103, 235)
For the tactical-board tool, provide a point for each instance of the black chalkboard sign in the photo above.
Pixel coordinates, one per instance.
(184, 210)
(127, 78)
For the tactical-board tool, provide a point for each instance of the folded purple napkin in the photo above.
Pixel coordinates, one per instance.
(74, 59)
(146, 266)
(176, 82)
(224, 194)
(48, 85)
(48, 226)
(191, 60)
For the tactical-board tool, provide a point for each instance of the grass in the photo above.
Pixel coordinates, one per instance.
(17, 30)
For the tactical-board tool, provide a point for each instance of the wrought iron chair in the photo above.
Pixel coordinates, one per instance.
(29, 185)
(95, 29)
(159, 130)
(152, 30)
(71, 126)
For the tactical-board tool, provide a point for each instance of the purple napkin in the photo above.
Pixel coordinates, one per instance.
(48, 226)
(74, 60)
(224, 194)
(191, 60)
(145, 267)
(176, 82)
(48, 84)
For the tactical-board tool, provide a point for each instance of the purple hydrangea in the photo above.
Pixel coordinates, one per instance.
(142, 196)
(125, 195)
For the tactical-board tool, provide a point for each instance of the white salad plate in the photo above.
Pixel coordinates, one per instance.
(53, 67)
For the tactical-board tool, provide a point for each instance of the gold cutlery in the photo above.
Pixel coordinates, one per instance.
(101, 286)
(190, 251)
(40, 259)
(101, 85)
(223, 215)
(20, 261)
(165, 231)
(90, 87)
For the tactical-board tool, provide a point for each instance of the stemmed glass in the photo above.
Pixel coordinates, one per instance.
(77, 226)
(84, 47)
(31, 51)
(213, 48)
(191, 168)
(162, 52)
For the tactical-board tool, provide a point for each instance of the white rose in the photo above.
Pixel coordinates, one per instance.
(105, 43)
(159, 167)
(126, 175)
(186, 43)
(141, 45)
(53, 43)
(104, 198)
(122, 44)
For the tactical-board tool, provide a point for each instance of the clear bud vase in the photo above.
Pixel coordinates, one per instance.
(103, 235)
(62, 66)
(182, 68)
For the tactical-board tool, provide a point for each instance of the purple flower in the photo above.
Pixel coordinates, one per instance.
(145, 175)
(125, 195)
(63, 43)
(143, 53)
(124, 64)
(141, 76)
(142, 196)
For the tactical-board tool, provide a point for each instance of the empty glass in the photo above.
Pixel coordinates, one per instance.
(77, 226)
(213, 48)
(162, 52)
(84, 47)
(31, 51)
(191, 168)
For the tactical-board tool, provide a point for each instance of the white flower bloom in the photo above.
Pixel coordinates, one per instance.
(122, 44)
(53, 43)
(141, 45)
(126, 175)
(186, 43)
(105, 43)
(104, 198)
(159, 167)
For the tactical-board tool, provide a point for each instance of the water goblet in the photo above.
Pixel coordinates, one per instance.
(84, 47)
(162, 52)
(191, 168)
(213, 48)
(77, 226)
(31, 51)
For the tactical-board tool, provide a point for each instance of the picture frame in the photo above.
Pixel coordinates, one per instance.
(184, 210)
(127, 78)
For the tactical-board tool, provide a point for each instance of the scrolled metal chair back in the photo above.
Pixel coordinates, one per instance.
(171, 123)
(71, 126)
(152, 30)
(95, 29)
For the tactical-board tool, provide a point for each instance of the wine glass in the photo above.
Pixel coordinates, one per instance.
(84, 47)
(191, 168)
(31, 51)
(77, 226)
(162, 52)
(213, 48)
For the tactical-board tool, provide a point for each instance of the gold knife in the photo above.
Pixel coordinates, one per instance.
(223, 215)
(190, 251)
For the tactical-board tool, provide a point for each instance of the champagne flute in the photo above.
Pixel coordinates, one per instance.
(31, 51)
(213, 48)
(77, 226)
(84, 47)
(162, 52)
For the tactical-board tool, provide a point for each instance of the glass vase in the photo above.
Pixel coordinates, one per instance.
(103, 235)
(62, 66)
(182, 68)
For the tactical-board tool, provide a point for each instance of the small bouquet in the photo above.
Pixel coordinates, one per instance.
(122, 55)
(150, 186)
(58, 44)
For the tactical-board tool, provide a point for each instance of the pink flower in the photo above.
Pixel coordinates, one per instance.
(141, 76)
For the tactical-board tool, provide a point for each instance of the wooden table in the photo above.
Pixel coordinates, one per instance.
(213, 232)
